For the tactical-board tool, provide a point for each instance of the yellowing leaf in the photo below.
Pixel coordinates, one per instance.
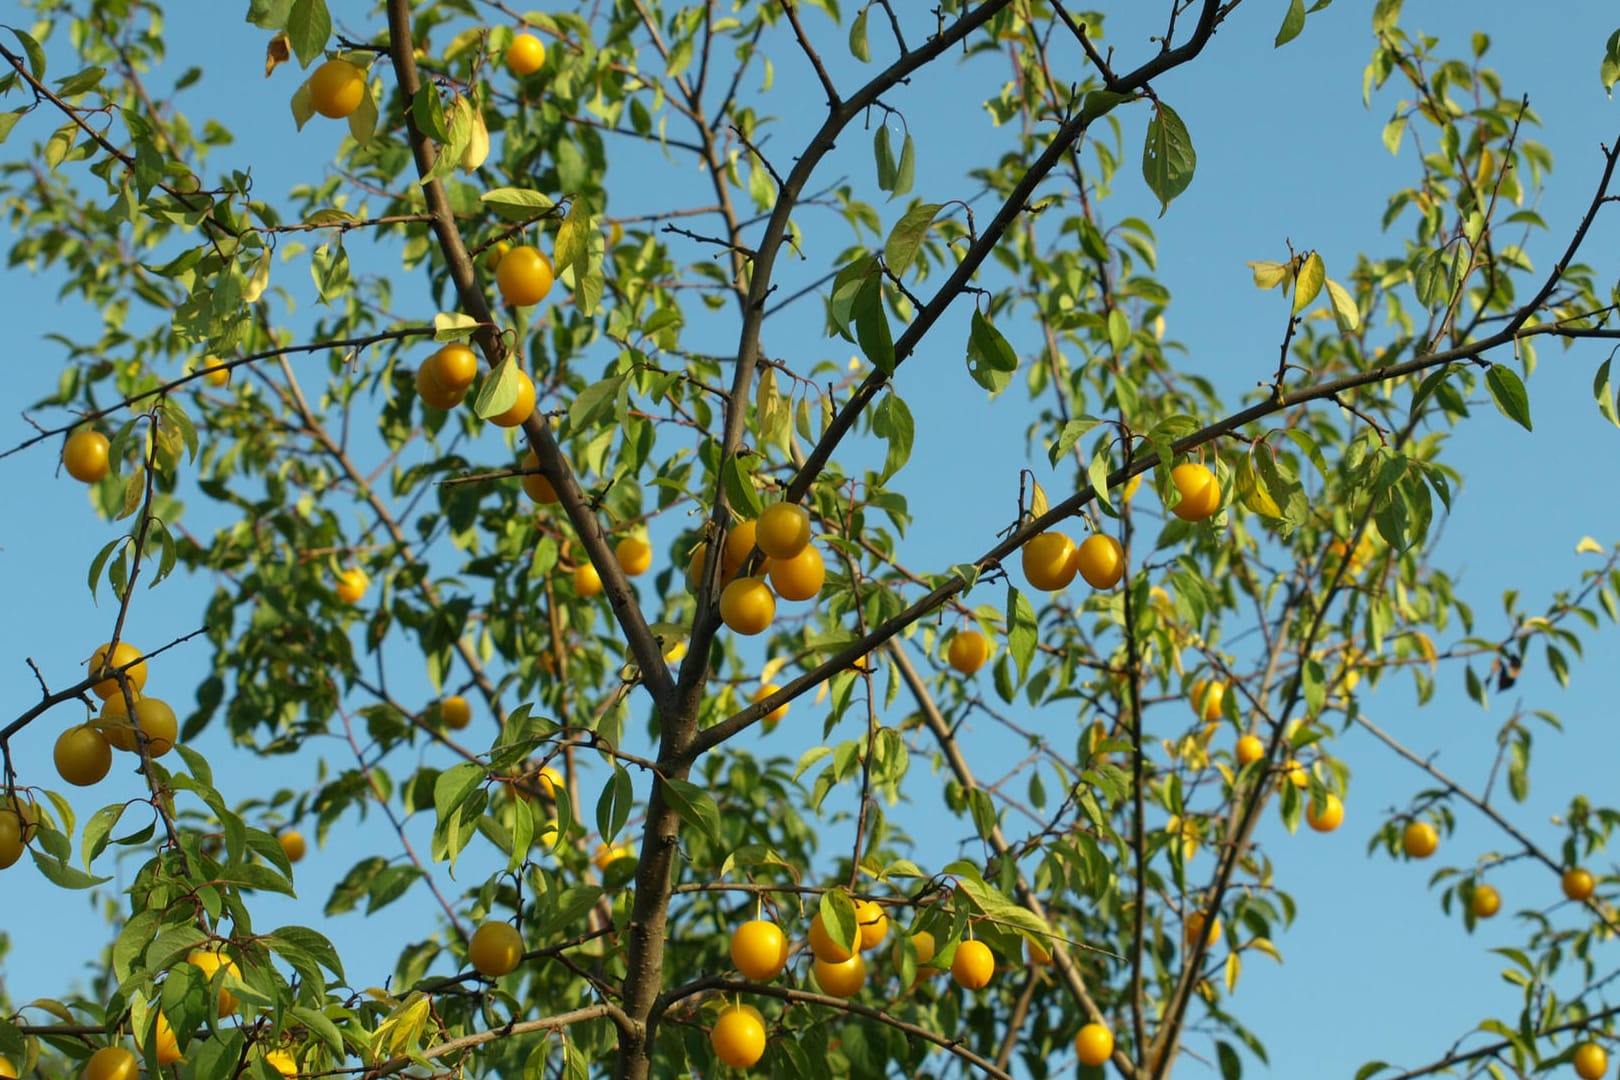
(1268, 275)
(1234, 966)
(451, 325)
(772, 666)
(1308, 283)
(1588, 544)
(1037, 501)
(1265, 946)
(1344, 307)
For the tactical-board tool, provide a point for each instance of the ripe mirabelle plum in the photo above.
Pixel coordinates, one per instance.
(156, 720)
(587, 582)
(822, 944)
(292, 844)
(1419, 840)
(208, 961)
(352, 584)
(759, 949)
(1330, 817)
(783, 530)
(453, 368)
(739, 545)
(455, 712)
(738, 1037)
(1578, 884)
(1206, 699)
(522, 406)
(336, 88)
(1250, 749)
(496, 949)
(82, 755)
(524, 276)
(152, 715)
(799, 577)
(111, 1063)
(608, 854)
(84, 455)
(974, 965)
(215, 373)
(840, 978)
(1049, 562)
(1591, 1061)
(12, 840)
(923, 942)
(967, 651)
(1101, 560)
(634, 555)
(165, 1044)
(772, 718)
(535, 485)
(874, 924)
(1485, 902)
(1094, 1044)
(747, 606)
(1200, 491)
(1194, 925)
(102, 664)
(525, 55)
(433, 395)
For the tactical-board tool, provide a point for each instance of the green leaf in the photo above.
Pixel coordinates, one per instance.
(62, 875)
(428, 112)
(1168, 158)
(695, 807)
(1292, 24)
(907, 236)
(8, 120)
(1308, 282)
(78, 83)
(573, 251)
(858, 45)
(499, 391)
(1509, 395)
(515, 203)
(36, 55)
(614, 805)
(1023, 632)
(1071, 434)
(906, 175)
(837, 913)
(1099, 103)
(309, 25)
(595, 403)
(323, 1028)
(740, 492)
(1602, 391)
(1119, 331)
(991, 361)
(891, 420)
(887, 167)
(872, 326)
(1609, 70)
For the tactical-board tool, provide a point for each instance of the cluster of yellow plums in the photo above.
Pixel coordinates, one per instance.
(792, 564)
(760, 950)
(83, 752)
(116, 1062)
(1051, 560)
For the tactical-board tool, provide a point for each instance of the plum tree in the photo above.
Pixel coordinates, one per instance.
(518, 354)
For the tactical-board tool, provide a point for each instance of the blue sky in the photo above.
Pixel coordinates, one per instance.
(1286, 153)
